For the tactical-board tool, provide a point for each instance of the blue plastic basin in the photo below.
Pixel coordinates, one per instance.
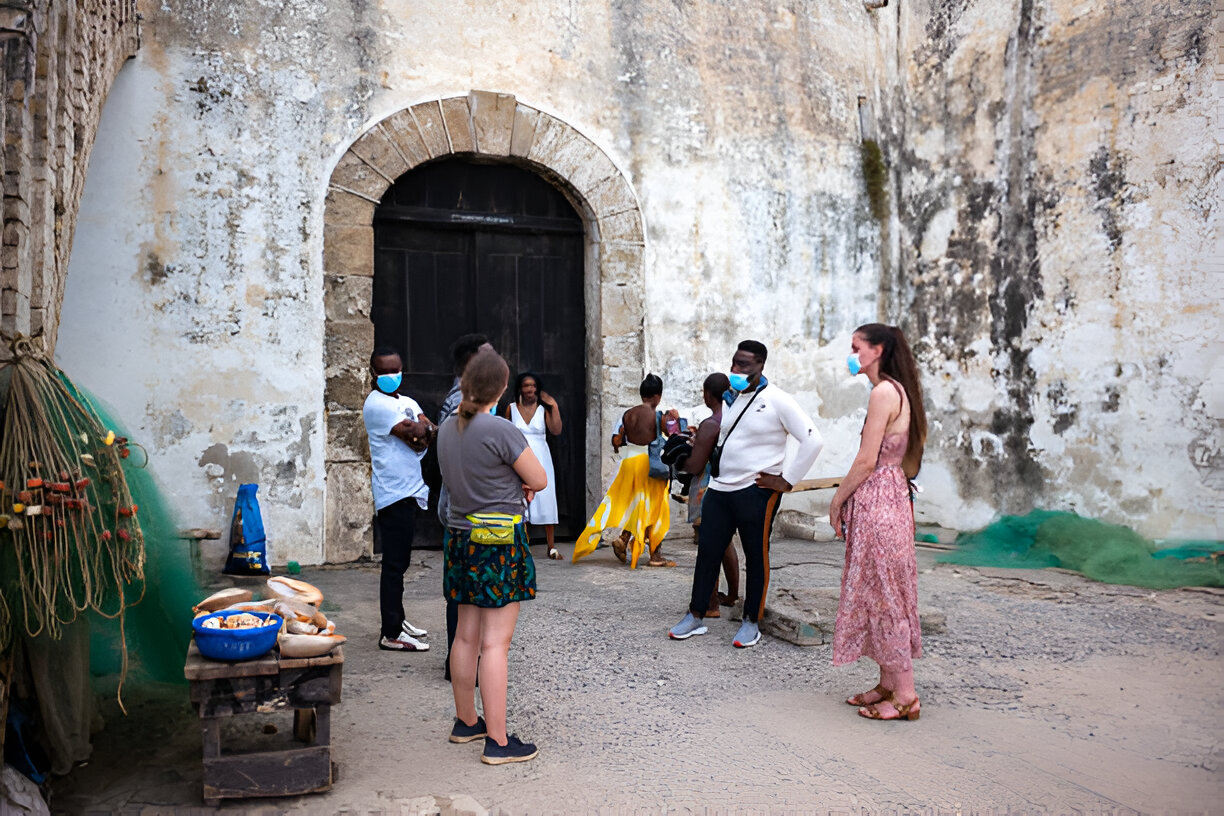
(236, 644)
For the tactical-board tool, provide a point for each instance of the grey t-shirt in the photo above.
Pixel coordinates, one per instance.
(449, 406)
(478, 467)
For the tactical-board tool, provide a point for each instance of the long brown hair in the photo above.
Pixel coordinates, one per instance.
(483, 381)
(897, 362)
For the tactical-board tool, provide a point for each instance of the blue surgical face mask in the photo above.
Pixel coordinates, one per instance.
(390, 383)
(852, 362)
(739, 382)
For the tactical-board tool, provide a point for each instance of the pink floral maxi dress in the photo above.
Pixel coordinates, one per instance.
(877, 616)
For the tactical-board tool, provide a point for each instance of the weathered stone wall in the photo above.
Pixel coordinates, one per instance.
(57, 62)
(496, 127)
(1057, 166)
(243, 114)
(201, 269)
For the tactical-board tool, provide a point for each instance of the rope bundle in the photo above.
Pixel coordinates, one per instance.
(70, 540)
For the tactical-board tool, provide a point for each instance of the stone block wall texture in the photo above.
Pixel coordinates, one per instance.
(486, 124)
(1052, 183)
(57, 62)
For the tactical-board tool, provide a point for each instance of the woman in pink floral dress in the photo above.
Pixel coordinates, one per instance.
(877, 616)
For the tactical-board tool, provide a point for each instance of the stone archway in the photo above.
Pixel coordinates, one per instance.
(499, 127)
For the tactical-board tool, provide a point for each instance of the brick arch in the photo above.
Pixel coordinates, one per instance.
(499, 127)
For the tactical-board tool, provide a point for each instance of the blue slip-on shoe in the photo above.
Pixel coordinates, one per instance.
(749, 634)
(686, 628)
(515, 750)
(463, 732)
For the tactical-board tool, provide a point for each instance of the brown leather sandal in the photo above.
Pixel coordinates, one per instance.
(910, 711)
(857, 699)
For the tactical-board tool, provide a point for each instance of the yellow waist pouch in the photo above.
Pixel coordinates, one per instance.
(493, 528)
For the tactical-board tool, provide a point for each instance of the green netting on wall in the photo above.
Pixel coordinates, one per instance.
(87, 543)
(1103, 552)
(158, 627)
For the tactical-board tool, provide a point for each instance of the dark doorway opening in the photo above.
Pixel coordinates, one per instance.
(464, 246)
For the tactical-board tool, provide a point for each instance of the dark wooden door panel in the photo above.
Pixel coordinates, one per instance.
(505, 259)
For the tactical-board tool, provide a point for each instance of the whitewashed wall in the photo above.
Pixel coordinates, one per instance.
(194, 302)
(1059, 185)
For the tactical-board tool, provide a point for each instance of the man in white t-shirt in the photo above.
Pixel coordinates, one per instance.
(752, 475)
(399, 434)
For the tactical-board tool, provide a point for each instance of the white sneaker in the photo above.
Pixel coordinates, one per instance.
(403, 643)
(412, 631)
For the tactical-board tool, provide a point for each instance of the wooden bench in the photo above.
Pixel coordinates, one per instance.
(817, 484)
(220, 689)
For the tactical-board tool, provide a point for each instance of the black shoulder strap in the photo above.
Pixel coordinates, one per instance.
(741, 414)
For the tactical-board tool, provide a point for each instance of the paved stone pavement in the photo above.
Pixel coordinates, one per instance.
(1047, 693)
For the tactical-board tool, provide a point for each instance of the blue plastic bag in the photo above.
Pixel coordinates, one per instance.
(248, 547)
(21, 748)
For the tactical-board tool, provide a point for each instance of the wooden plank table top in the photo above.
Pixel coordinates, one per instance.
(198, 667)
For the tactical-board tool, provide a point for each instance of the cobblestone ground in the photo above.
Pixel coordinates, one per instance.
(1048, 693)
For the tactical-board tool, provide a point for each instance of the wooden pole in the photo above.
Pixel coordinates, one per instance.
(817, 484)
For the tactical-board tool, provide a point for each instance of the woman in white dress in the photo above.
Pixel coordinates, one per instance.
(535, 424)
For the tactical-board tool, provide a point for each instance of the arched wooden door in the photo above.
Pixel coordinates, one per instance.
(462, 246)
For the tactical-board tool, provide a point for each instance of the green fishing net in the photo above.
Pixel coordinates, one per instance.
(1103, 552)
(84, 532)
(158, 626)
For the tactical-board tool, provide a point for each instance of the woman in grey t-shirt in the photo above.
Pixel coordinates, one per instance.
(487, 467)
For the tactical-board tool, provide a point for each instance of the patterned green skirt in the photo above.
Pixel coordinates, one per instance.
(488, 575)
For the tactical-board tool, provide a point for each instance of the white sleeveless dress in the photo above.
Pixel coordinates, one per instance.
(543, 508)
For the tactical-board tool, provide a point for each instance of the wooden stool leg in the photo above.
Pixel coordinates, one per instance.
(210, 731)
(323, 725)
(304, 724)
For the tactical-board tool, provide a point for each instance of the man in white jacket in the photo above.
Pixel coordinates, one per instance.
(746, 485)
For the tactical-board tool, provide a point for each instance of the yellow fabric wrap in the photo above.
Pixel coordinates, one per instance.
(634, 502)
